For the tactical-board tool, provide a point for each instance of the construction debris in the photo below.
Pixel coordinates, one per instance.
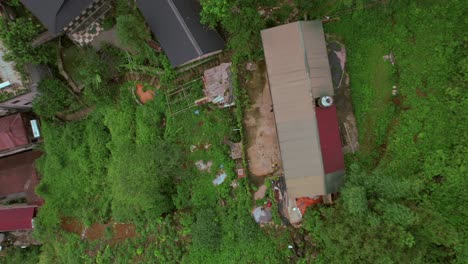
(251, 66)
(202, 146)
(220, 178)
(234, 184)
(218, 86)
(390, 57)
(202, 166)
(236, 149)
(262, 215)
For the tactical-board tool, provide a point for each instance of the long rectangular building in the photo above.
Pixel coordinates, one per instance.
(309, 139)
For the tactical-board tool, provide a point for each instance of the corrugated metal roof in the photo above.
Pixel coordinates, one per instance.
(298, 72)
(315, 50)
(12, 132)
(176, 25)
(330, 138)
(330, 145)
(19, 218)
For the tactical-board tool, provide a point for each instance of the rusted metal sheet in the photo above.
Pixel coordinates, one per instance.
(13, 132)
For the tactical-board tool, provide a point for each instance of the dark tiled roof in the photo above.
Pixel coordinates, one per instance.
(56, 14)
(176, 25)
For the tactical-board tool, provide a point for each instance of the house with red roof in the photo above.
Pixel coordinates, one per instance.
(19, 179)
(302, 92)
(19, 133)
(16, 218)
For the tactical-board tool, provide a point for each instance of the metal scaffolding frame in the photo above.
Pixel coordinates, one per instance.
(178, 100)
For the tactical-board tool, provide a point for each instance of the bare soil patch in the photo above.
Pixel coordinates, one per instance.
(262, 141)
(145, 96)
(343, 100)
(98, 231)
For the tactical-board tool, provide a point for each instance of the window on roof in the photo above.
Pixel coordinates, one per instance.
(28, 103)
(15, 102)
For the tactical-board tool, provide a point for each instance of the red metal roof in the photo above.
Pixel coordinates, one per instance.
(12, 132)
(17, 174)
(330, 141)
(12, 219)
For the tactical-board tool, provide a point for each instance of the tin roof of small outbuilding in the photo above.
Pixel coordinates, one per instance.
(16, 218)
(12, 132)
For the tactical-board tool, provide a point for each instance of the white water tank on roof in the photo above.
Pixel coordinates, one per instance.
(324, 101)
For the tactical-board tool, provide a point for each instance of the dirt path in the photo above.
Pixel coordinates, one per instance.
(116, 231)
(76, 115)
(262, 148)
(343, 100)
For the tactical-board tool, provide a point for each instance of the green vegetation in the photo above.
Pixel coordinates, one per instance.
(122, 164)
(16, 255)
(405, 193)
(17, 37)
(7, 95)
(56, 98)
(406, 189)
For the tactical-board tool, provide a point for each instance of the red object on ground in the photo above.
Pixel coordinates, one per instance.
(269, 204)
(330, 141)
(18, 175)
(144, 96)
(304, 202)
(19, 218)
(240, 173)
(12, 132)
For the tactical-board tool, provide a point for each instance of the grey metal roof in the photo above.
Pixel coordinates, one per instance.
(176, 25)
(298, 72)
(56, 14)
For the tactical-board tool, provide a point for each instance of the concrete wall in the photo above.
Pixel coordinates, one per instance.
(24, 102)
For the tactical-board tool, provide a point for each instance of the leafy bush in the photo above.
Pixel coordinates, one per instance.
(206, 232)
(17, 37)
(241, 21)
(108, 23)
(409, 199)
(132, 31)
(14, 255)
(54, 97)
(143, 181)
(95, 72)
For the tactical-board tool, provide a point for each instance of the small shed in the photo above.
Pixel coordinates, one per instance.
(262, 215)
(236, 150)
(218, 86)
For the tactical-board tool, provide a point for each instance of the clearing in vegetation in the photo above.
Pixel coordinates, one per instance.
(262, 148)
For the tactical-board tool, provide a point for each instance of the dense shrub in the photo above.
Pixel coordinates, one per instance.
(17, 37)
(54, 97)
